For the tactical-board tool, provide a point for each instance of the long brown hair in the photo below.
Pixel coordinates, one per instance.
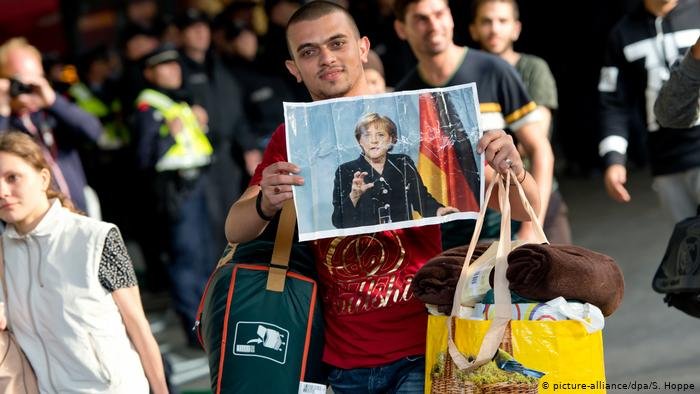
(24, 147)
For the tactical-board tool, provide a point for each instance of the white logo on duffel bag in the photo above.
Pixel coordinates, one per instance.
(261, 339)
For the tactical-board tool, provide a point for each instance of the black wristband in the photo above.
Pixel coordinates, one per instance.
(258, 207)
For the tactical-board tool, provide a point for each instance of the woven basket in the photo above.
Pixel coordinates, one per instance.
(448, 383)
(508, 388)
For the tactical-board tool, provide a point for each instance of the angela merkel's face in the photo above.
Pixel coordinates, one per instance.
(375, 142)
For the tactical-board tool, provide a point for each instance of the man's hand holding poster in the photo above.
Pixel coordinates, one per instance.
(385, 162)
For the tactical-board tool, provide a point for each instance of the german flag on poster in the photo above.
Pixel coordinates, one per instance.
(446, 158)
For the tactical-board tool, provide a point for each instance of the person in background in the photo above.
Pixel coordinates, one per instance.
(375, 18)
(640, 50)
(29, 104)
(213, 88)
(143, 13)
(678, 104)
(375, 344)
(237, 13)
(374, 73)
(145, 229)
(111, 170)
(496, 27)
(136, 42)
(60, 73)
(273, 51)
(169, 32)
(96, 92)
(58, 260)
(428, 27)
(263, 93)
(173, 149)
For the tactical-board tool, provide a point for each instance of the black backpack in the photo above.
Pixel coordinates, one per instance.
(678, 275)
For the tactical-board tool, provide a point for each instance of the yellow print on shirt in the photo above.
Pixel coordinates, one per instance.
(366, 273)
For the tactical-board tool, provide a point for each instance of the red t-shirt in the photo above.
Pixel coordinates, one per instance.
(371, 315)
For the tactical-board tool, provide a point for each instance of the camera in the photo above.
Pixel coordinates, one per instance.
(17, 88)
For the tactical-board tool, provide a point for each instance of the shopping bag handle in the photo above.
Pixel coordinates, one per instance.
(466, 268)
(279, 263)
(502, 300)
(501, 316)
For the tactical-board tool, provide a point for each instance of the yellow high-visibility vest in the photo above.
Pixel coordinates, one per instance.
(192, 148)
(115, 133)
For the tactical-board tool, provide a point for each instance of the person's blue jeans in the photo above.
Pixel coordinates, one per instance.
(405, 376)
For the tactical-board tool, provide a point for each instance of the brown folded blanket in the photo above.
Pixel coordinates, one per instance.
(436, 281)
(544, 272)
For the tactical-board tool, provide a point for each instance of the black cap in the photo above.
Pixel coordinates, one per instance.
(190, 17)
(163, 54)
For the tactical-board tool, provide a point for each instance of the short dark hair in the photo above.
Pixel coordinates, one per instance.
(401, 5)
(374, 118)
(315, 10)
(478, 3)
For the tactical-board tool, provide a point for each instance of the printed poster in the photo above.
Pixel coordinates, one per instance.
(385, 162)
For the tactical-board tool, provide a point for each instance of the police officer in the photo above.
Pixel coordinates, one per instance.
(173, 147)
(95, 92)
(111, 167)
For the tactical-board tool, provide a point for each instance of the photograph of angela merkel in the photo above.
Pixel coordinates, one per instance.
(380, 187)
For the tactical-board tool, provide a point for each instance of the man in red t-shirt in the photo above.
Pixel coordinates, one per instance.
(375, 328)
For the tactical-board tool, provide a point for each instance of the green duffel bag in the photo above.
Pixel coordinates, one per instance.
(260, 320)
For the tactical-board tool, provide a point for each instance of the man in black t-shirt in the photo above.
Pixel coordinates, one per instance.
(428, 26)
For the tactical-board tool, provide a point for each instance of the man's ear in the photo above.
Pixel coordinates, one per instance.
(516, 31)
(363, 43)
(292, 68)
(400, 29)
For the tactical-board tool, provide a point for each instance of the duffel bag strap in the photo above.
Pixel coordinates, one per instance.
(283, 247)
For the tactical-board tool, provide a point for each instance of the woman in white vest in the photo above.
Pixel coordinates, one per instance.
(72, 296)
